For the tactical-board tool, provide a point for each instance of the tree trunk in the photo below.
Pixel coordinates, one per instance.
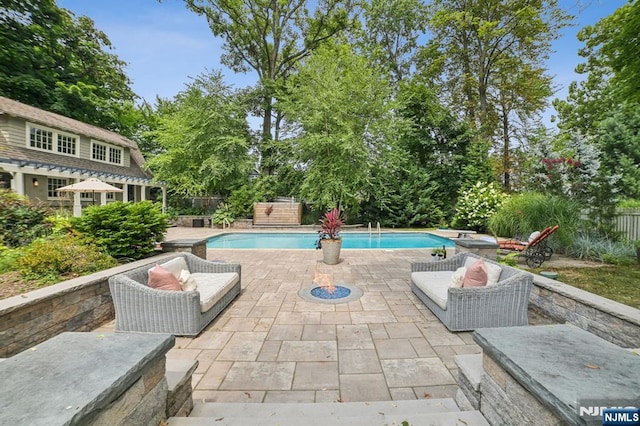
(506, 157)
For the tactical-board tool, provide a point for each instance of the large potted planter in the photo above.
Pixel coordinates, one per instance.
(329, 239)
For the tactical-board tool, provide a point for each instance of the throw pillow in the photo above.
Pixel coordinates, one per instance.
(187, 282)
(476, 275)
(493, 273)
(162, 279)
(458, 277)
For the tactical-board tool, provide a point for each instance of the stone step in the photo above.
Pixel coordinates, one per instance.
(179, 395)
(471, 366)
(310, 409)
(469, 374)
(424, 412)
(463, 418)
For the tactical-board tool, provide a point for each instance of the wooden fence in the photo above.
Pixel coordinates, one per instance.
(277, 214)
(627, 222)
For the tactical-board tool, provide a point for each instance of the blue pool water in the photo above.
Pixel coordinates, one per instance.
(350, 240)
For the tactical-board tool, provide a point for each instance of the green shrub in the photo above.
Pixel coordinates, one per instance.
(600, 249)
(8, 258)
(525, 213)
(21, 221)
(124, 230)
(48, 259)
(628, 203)
(477, 204)
(222, 214)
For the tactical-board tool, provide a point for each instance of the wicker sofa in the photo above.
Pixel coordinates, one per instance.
(503, 304)
(140, 308)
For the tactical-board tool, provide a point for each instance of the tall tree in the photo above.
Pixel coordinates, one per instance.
(612, 71)
(478, 48)
(53, 60)
(390, 34)
(206, 140)
(271, 37)
(341, 109)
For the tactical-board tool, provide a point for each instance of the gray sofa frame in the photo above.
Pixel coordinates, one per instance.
(140, 308)
(501, 305)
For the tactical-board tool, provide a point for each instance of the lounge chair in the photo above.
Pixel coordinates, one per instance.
(502, 304)
(140, 308)
(536, 250)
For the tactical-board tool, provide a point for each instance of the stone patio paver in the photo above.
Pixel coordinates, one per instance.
(269, 345)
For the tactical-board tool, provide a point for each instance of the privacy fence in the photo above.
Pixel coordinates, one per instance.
(627, 222)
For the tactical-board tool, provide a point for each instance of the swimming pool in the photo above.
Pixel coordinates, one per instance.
(350, 240)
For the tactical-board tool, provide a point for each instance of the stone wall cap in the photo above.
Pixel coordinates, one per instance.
(562, 364)
(184, 242)
(474, 243)
(611, 307)
(73, 375)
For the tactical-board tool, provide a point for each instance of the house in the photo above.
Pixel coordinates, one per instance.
(41, 151)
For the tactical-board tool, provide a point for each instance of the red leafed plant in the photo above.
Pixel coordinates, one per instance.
(330, 225)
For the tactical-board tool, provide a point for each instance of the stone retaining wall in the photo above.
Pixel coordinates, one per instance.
(80, 304)
(612, 321)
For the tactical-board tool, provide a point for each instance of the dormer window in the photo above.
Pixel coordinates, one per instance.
(106, 153)
(45, 139)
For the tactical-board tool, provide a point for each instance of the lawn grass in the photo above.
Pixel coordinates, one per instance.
(619, 283)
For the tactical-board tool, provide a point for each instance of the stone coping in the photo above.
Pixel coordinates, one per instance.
(474, 243)
(563, 364)
(600, 303)
(22, 300)
(74, 375)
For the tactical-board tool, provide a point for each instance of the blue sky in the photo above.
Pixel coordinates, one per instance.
(165, 44)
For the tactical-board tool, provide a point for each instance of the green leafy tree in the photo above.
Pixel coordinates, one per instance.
(341, 109)
(618, 137)
(416, 183)
(487, 56)
(56, 61)
(390, 34)
(611, 70)
(271, 38)
(205, 138)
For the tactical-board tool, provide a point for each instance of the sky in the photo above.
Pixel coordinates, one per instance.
(165, 44)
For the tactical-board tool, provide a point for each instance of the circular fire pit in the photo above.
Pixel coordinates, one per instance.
(342, 293)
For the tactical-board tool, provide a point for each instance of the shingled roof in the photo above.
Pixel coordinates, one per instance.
(46, 118)
(50, 119)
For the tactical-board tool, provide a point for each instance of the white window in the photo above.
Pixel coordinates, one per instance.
(45, 139)
(115, 155)
(112, 195)
(106, 153)
(99, 152)
(41, 139)
(67, 144)
(86, 196)
(52, 187)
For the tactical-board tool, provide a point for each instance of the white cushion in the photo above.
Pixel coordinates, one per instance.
(493, 273)
(434, 284)
(458, 277)
(212, 286)
(469, 261)
(176, 266)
